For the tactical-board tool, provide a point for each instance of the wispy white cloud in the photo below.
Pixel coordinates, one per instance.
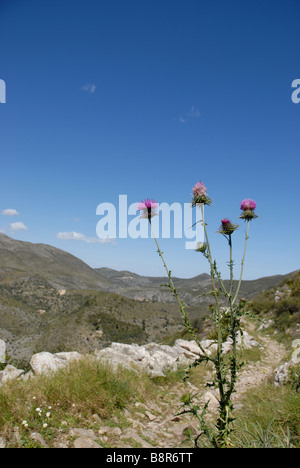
(10, 212)
(18, 226)
(89, 88)
(192, 114)
(83, 238)
(13, 227)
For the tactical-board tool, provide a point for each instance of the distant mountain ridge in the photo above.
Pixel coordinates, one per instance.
(19, 259)
(61, 269)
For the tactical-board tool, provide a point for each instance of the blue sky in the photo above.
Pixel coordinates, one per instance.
(145, 98)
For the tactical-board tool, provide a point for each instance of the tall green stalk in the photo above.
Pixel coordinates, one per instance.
(242, 264)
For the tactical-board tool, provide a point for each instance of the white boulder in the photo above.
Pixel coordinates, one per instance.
(47, 362)
(9, 373)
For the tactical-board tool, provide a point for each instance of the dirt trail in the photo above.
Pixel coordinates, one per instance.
(254, 374)
(158, 423)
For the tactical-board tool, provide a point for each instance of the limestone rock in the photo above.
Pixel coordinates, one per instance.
(10, 372)
(45, 362)
(282, 374)
(265, 325)
(85, 442)
(85, 438)
(152, 358)
(245, 340)
(39, 439)
(82, 433)
(2, 443)
(150, 416)
(130, 433)
(156, 359)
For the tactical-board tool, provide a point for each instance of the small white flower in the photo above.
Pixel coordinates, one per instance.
(38, 410)
(45, 425)
(48, 414)
(24, 422)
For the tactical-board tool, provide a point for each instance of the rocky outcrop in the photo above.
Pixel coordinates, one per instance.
(152, 358)
(41, 363)
(156, 359)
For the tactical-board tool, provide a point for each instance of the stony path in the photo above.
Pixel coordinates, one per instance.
(167, 429)
(254, 374)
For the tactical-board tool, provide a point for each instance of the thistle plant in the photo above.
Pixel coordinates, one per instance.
(226, 319)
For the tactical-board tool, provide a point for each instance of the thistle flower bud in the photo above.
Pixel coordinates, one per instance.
(201, 247)
(227, 227)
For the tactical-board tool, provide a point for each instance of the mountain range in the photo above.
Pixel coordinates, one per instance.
(21, 260)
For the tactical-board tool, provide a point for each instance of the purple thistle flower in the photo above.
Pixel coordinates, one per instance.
(199, 189)
(199, 194)
(147, 207)
(248, 206)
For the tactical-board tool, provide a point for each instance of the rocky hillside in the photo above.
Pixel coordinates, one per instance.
(20, 260)
(36, 317)
(149, 288)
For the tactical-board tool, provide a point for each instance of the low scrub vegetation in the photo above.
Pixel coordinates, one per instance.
(282, 305)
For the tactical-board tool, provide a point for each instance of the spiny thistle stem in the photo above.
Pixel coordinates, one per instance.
(212, 274)
(230, 265)
(218, 362)
(242, 264)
